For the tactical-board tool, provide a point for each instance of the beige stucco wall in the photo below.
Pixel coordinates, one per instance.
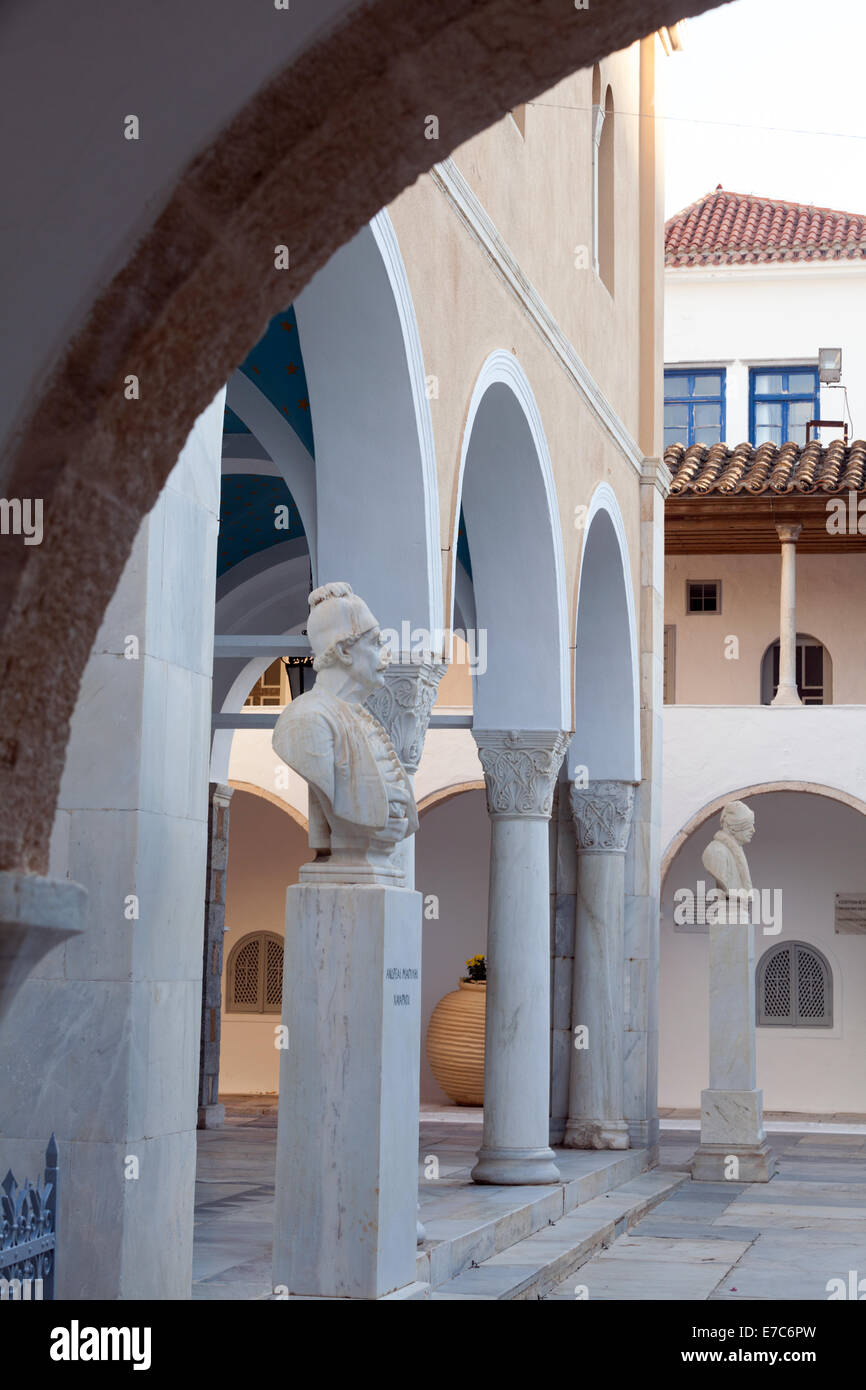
(266, 849)
(537, 190)
(831, 589)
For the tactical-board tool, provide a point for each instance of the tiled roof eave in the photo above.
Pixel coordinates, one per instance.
(788, 471)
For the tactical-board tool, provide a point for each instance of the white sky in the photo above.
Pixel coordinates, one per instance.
(752, 76)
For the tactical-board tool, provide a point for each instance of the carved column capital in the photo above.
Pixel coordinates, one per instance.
(520, 769)
(403, 705)
(788, 531)
(602, 816)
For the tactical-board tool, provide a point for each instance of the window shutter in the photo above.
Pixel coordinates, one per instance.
(794, 987)
(254, 982)
(775, 1002)
(244, 993)
(812, 987)
(273, 976)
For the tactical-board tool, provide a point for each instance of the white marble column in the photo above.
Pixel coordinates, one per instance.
(596, 1111)
(787, 693)
(520, 769)
(733, 1143)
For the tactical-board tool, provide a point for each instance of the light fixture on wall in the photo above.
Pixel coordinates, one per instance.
(830, 374)
(300, 673)
(829, 365)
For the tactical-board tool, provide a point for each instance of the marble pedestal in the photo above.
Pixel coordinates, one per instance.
(347, 1141)
(732, 1123)
(732, 1127)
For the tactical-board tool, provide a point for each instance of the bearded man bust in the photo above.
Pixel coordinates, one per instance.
(361, 799)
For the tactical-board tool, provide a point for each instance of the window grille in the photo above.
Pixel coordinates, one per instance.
(794, 987)
(269, 689)
(254, 978)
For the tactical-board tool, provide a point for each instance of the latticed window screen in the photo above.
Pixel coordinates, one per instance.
(794, 987)
(255, 975)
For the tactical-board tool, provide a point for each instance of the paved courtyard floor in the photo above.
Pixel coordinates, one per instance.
(780, 1240)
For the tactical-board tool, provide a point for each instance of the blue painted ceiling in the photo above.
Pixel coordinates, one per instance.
(247, 515)
(276, 367)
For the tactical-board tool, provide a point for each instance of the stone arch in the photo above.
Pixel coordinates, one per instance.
(337, 135)
(378, 511)
(606, 695)
(374, 468)
(713, 807)
(506, 473)
(443, 794)
(281, 805)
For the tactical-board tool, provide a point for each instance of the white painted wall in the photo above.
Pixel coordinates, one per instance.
(708, 752)
(740, 316)
(809, 847)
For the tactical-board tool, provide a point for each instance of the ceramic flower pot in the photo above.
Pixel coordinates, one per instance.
(455, 1042)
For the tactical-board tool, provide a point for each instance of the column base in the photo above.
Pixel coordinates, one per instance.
(211, 1116)
(596, 1134)
(787, 695)
(516, 1167)
(754, 1163)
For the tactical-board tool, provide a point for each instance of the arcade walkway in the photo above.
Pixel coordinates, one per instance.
(612, 1229)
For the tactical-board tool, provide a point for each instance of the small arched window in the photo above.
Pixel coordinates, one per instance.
(254, 977)
(813, 672)
(606, 195)
(794, 987)
(602, 181)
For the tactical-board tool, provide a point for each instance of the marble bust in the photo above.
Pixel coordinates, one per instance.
(361, 799)
(724, 857)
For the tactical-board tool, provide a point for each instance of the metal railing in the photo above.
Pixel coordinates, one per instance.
(28, 1233)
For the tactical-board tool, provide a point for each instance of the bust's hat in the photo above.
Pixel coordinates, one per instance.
(336, 615)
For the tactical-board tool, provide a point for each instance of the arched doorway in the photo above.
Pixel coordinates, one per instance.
(805, 859)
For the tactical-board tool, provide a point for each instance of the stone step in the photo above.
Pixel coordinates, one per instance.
(532, 1267)
(480, 1221)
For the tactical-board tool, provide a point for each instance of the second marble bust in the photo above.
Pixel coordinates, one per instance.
(361, 798)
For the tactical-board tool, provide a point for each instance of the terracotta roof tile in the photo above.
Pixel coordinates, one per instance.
(767, 469)
(741, 229)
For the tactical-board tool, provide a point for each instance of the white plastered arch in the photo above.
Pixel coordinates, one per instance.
(507, 491)
(606, 687)
(376, 480)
